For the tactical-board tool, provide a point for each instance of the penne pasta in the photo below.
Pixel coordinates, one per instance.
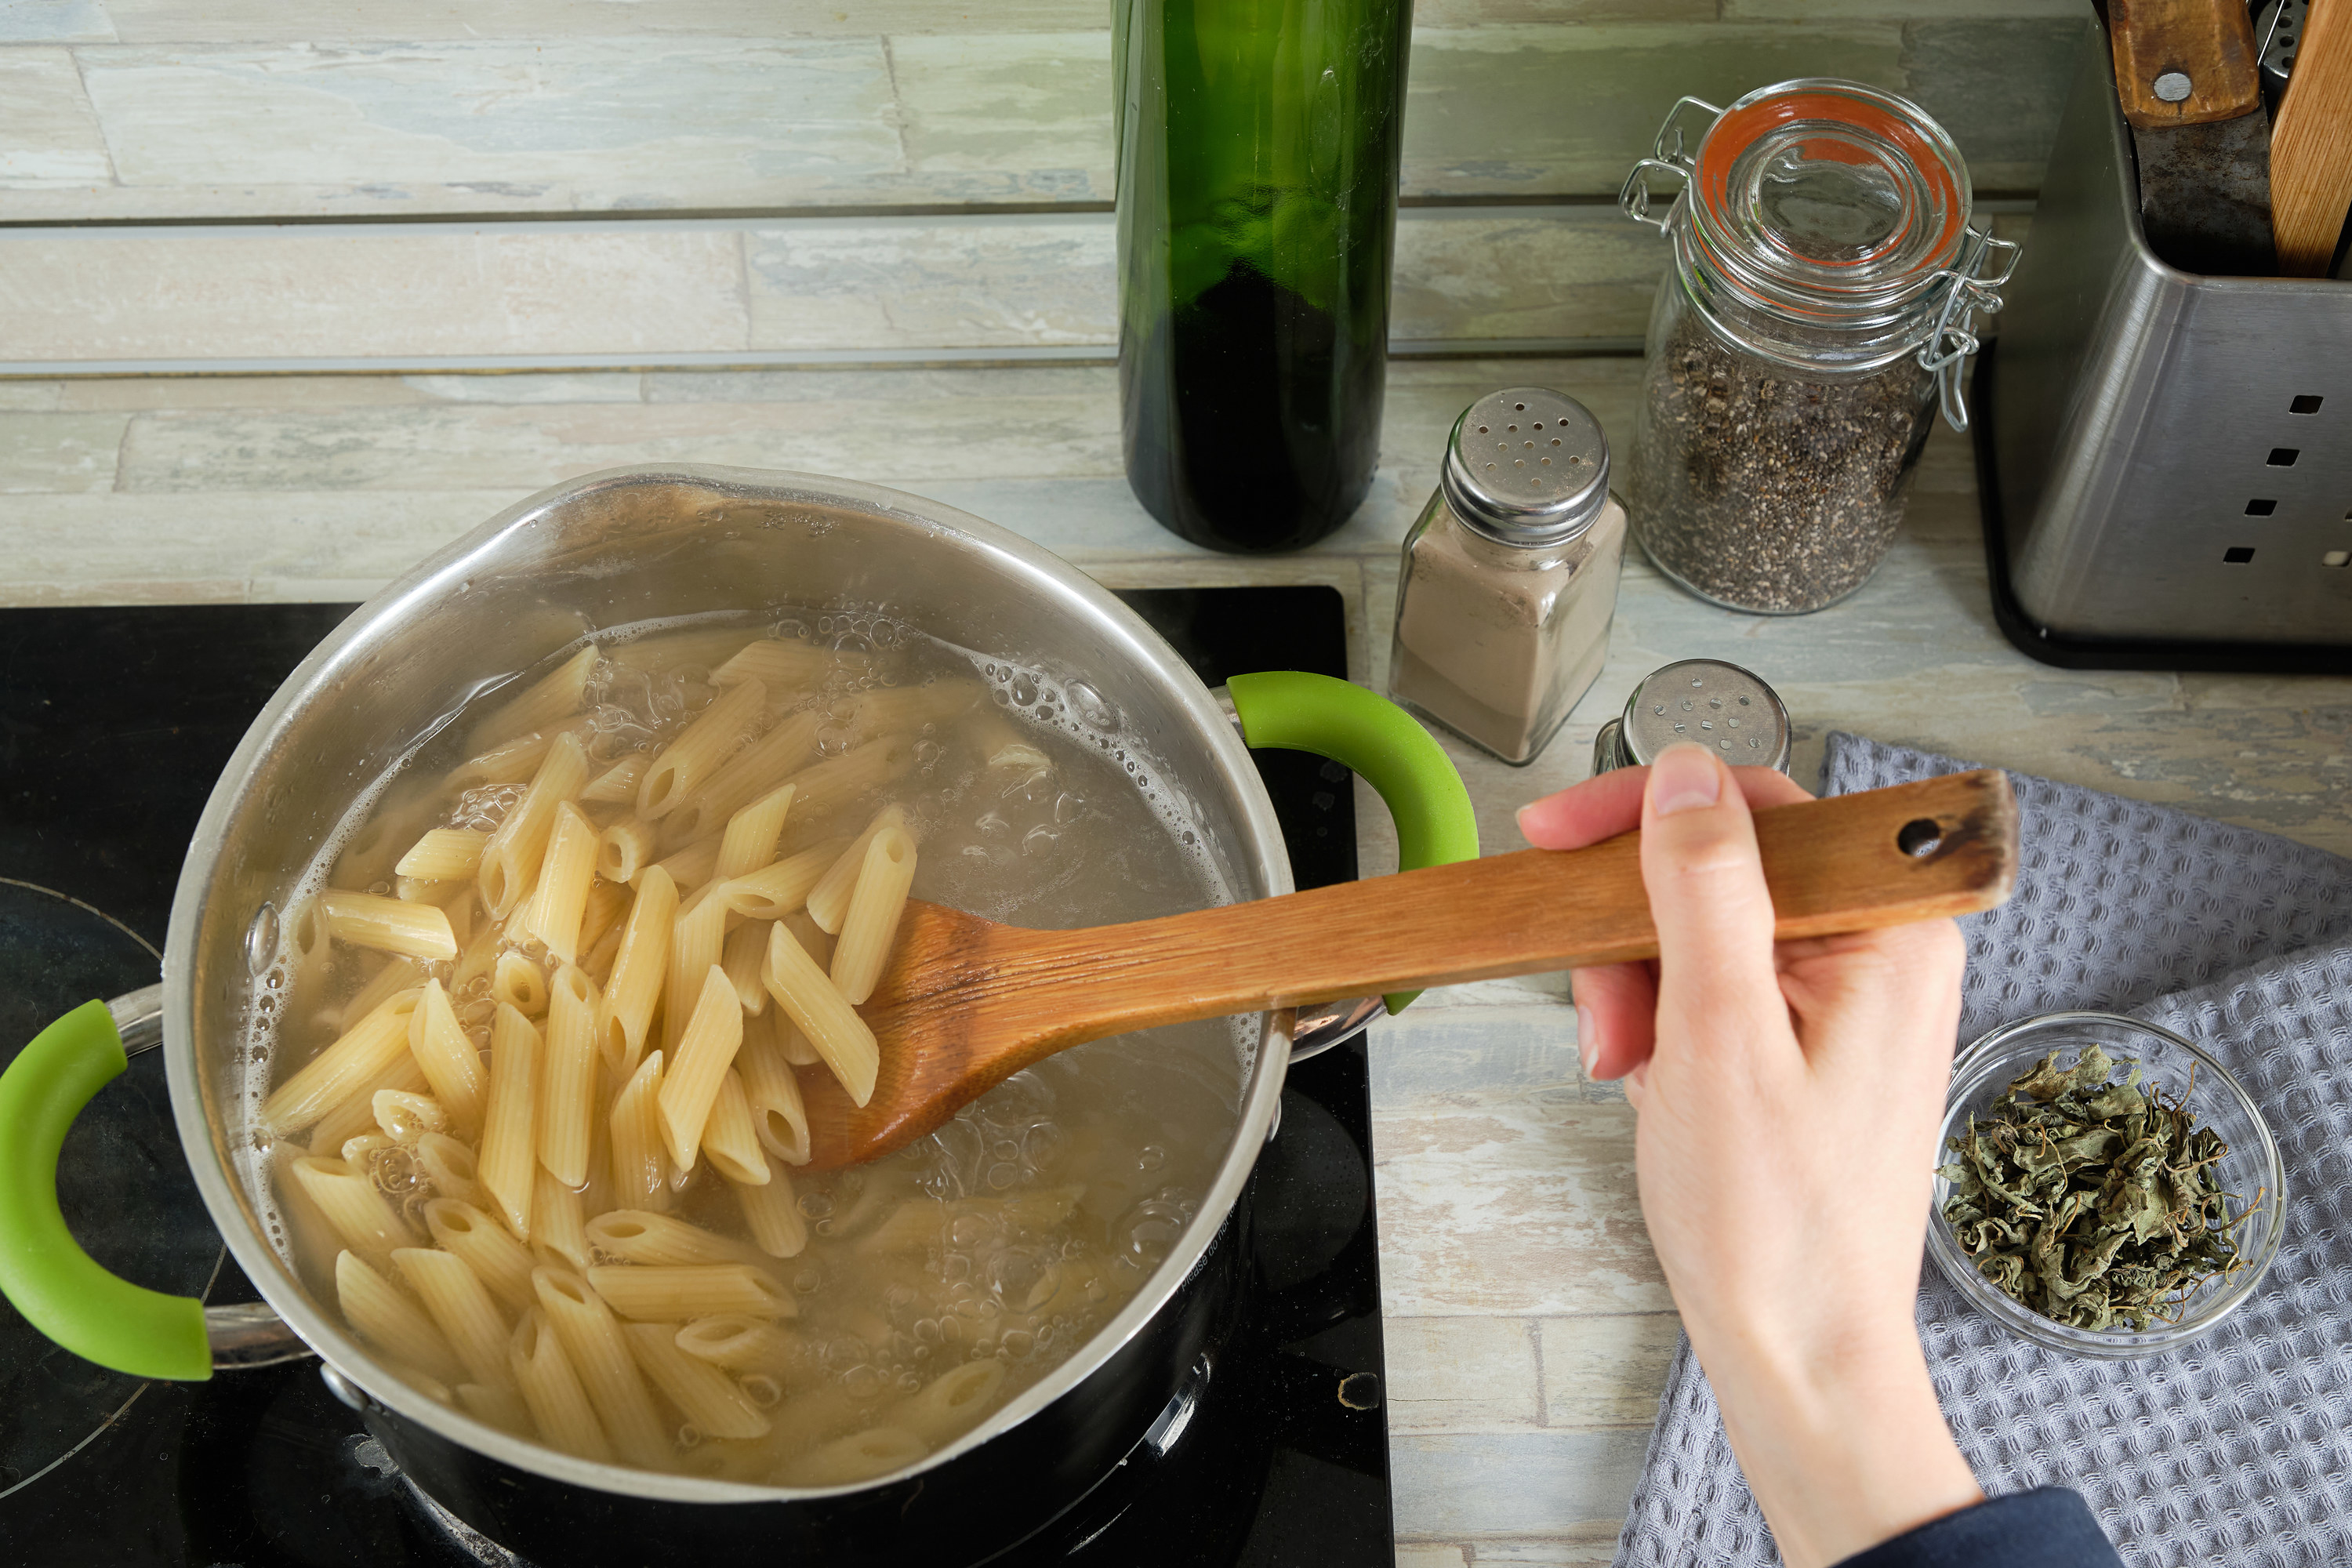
(405, 1116)
(778, 889)
(451, 1064)
(730, 1139)
(501, 1263)
(352, 1064)
(740, 1343)
(749, 841)
(828, 900)
(356, 1114)
(691, 867)
(355, 1208)
(592, 1338)
(705, 1395)
(756, 769)
(567, 1100)
(952, 1403)
(1002, 744)
(597, 965)
(559, 1219)
(741, 955)
(397, 975)
(356, 1152)
(643, 1236)
(871, 926)
(607, 902)
(386, 1317)
(510, 761)
(553, 696)
(705, 1050)
(784, 664)
(807, 996)
(640, 970)
(625, 850)
(440, 895)
(460, 1307)
(770, 1213)
(481, 954)
(640, 1169)
(498, 1405)
(389, 925)
(698, 940)
(860, 1456)
(617, 785)
(520, 984)
(668, 1293)
(713, 737)
(543, 1374)
(561, 900)
(510, 860)
(449, 1167)
(832, 784)
(445, 853)
(510, 1118)
(772, 1092)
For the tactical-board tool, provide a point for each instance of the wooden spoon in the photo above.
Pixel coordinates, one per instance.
(967, 1002)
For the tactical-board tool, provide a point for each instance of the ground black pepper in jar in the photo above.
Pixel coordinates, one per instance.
(1824, 285)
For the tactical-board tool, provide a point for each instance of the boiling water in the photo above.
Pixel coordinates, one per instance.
(1006, 1239)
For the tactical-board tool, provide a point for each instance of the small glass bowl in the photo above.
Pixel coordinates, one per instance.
(1984, 1072)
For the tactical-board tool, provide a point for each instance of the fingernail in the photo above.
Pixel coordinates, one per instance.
(1684, 778)
(1588, 1040)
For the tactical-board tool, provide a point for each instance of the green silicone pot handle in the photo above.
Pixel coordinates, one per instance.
(1294, 711)
(60, 1288)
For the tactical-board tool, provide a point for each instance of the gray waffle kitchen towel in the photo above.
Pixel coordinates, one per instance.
(2237, 1448)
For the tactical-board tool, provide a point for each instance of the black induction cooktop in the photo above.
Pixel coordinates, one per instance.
(113, 725)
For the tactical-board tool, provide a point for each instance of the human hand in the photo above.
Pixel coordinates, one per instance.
(1788, 1098)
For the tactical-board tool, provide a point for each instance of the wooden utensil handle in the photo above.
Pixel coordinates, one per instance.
(2311, 146)
(1942, 846)
(2211, 42)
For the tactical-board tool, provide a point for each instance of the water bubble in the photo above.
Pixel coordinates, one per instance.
(816, 1205)
(808, 1279)
(968, 1230)
(1001, 1176)
(863, 1382)
(1038, 840)
(688, 1436)
(761, 1390)
(1024, 690)
(1151, 1157)
(1017, 1343)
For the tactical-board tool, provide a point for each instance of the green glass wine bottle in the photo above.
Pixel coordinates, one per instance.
(1257, 187)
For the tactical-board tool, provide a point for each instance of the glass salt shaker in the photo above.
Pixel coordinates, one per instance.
(1510, 575)
(1826, 284)
(1718, 705)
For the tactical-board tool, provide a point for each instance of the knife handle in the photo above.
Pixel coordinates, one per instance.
(2211, 43)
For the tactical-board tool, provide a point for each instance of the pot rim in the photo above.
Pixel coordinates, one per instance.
(410, 599)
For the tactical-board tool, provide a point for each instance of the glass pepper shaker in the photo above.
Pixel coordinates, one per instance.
(1510, 574)
(1718, 705)
(1825, 285)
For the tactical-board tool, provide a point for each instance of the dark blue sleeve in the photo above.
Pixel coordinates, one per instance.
(2050, 1527)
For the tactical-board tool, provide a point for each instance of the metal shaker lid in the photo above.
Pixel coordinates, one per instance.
(1528, 466)
(1716, 704)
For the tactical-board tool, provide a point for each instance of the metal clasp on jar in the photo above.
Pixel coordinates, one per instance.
(1969, 294)
(1668, 156)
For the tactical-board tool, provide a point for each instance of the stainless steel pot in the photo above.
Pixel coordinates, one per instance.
(626, 546)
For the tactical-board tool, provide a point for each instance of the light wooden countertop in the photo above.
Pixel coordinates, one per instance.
(1528, 1325)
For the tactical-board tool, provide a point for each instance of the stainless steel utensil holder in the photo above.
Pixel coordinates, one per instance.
(2173, 452)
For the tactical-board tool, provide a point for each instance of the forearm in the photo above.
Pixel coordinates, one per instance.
(1843, 1447)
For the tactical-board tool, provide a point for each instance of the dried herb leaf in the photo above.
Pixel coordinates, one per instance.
(2091, 1202)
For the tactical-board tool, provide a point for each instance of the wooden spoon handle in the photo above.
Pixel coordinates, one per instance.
(1941, 847)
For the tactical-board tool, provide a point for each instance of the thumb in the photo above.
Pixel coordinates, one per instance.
(1707, 896)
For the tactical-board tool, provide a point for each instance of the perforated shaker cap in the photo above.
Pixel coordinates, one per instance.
(1718, 705)
(1528, 466)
